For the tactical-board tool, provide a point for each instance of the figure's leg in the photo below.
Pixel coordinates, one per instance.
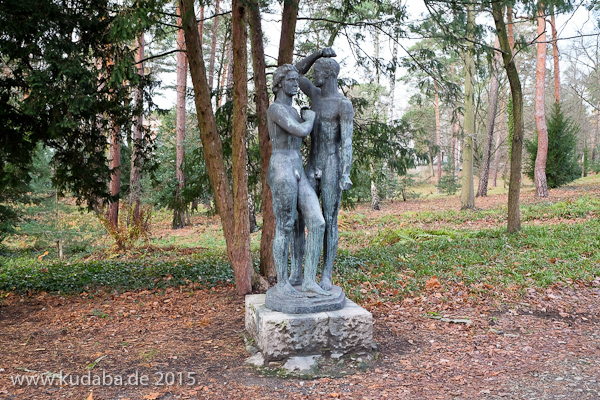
(311, 211)
(331, 195)
(285, 195)
(297, 244)
(298, 241)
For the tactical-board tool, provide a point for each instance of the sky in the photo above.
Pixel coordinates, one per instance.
(571, 25)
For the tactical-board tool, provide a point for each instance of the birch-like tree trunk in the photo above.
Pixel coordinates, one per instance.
(267, 263)
(178, 210)
(484, 169)
(541, 186)
(467, 194)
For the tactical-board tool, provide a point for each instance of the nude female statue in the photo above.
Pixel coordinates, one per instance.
(292, 193)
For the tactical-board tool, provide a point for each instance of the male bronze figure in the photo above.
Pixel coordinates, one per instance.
(328, 166)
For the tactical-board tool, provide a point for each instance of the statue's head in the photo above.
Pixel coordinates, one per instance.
(280, 74)
(324, 68)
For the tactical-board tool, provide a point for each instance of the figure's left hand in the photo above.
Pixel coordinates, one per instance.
(345, 182)
(328, 52)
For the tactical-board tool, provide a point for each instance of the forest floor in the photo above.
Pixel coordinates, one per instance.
(538, 342)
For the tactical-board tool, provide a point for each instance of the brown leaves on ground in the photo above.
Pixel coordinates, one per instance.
(545, 344)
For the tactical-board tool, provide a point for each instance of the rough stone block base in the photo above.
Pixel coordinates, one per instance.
(279, 336)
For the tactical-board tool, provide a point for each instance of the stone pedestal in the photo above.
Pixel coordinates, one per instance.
(279, 336)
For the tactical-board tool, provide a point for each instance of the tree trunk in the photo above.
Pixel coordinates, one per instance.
(115, 177)
(438, 139)
(225, 62)
(484, 170)
(288, 32)
(230, 75)
(393, 78)
(135, 182)
(498, 142)
(213, 47)
(541, 186)
(510, 28)
(243, 266)
(514, 187)
(178, 210)
(555, 57)
(374, 191)
(213, 150)
(467, 194)
(267, 263)
(201, 26)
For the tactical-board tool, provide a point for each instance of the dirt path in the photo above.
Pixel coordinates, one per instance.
(545, 345)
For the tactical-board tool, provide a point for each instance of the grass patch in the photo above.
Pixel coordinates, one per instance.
(400, 261)
(122, 275)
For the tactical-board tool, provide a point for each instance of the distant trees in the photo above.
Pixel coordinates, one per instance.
(63, 69)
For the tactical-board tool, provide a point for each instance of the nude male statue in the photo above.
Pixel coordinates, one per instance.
(291, 189)
(328, 166)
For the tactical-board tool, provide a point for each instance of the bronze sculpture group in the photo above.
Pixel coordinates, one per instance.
(296, 190)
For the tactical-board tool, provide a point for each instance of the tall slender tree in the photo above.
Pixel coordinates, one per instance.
(213, 47)
(135, 181)
(267, 263)
(288, 32)
(484, 169)
(514, 186)
(467, 195)
(555, 56)
(243, 269)
(179, 209)
(115, 177)
(238, 251)
(541, 186)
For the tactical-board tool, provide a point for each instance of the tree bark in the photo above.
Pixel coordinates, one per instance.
(555, 57)
(201, 26)
(484, 170)
(135, 183)
(230, 76)
(288, 32)
(498, 142)
(178, 210)
(213, 47)
(541, 186)
(267, 263)
(212, 145)
(115, 177)
(243, 259)
(467, 194)
(514, 186)
(438, 139)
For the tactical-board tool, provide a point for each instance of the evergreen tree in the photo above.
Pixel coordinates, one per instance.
(562, 166)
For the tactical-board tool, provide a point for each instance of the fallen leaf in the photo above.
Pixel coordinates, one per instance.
(91, 396)
(151, 396)
(433, 283)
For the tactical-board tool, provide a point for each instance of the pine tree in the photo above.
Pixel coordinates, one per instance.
(562, 166)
